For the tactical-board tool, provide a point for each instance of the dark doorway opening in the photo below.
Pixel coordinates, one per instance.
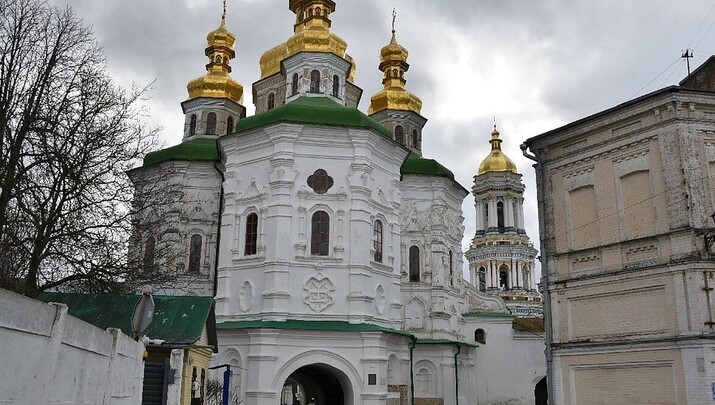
(318, 382)
(541, 394)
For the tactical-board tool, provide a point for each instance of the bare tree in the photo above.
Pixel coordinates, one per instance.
(69, 134)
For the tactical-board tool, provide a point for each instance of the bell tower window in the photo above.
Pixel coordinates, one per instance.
(211, 123)
(400, 135)
(294, 83)
(271, 101)
(229, 125)
(192, 125)
(415, 140)
(315, 81)
(336, 85)
(500, 216)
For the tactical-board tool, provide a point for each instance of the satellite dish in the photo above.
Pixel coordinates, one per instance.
(143, 315)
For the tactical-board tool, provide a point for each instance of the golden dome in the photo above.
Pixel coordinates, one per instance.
(394, 95)
(311, 33)
(496, 161)
(217, 83)
(393, 51)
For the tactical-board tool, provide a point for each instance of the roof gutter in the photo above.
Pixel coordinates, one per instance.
(548, 340)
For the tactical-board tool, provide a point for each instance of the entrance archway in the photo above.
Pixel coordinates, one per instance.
(541, 396)
(321, 382)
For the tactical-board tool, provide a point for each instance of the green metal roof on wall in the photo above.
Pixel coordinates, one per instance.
(313, 111)
(177, 319)
(415, 164)
(200, 149)
(333, 326)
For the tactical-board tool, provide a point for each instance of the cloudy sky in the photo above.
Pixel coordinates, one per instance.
(534, 64)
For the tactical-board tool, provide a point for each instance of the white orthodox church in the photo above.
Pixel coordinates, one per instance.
(331, 245)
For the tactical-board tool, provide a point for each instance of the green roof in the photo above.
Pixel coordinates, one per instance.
(200, 149)
(333, 326)
(314, 111)
(488, 314)
(177, 319)
(442, 342)
(415, 164)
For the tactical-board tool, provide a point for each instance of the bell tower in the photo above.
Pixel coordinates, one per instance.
(501, 256)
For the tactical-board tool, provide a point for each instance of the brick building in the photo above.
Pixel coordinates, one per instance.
(625, 200)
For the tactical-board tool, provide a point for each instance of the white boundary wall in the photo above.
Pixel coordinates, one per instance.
(49, 357)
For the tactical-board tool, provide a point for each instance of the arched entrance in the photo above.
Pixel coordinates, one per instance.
(321, 382)
(541, 396)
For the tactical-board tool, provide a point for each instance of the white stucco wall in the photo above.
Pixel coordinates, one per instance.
(50, 357)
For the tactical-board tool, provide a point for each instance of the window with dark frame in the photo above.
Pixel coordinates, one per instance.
(211, 123)
(336, 85)
(229, 125)
(294, 84)
(500, 216)
(251, 247)
(195, 246)
(315, 81)
(414, 264)
(271, 101)
(192, 125)
(400, 135)
(320, 181)
(377, 240)
(480, 336)
(415, 140)
(320, 234)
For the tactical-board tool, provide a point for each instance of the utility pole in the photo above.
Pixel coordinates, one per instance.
(687, 55)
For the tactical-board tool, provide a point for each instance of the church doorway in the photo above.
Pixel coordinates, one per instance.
(320, 383)
(541, 395)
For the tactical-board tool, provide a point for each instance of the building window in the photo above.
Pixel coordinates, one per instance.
(251, 234)
(503, 277)
(500, 216)
(315, 81)
(451, 269)
(515, 211)
(415, 140)
(320, 181)
(229, 125)
(377, 240)
(480, 336)
(482, 278)
(195, 253)
(394, 73)
(149, 252)
(271, 101)
(336, 85)
(294, 84)
(400, 135)
(414, 263)
(320, 233)
(211, 123)
(192, 125)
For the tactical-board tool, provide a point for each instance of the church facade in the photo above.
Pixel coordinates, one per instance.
(332, 247)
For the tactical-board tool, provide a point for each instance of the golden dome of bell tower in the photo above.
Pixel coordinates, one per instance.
(215, 100)
(496, 161)
(394, 106)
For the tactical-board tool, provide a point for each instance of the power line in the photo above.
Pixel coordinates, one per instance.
(701, 26)
(655, 78)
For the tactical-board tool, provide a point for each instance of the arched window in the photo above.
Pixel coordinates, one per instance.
(192, 125)
(217, 59)
(315, 81)
(394, 73)
(195, 253)
(451, 268)
(149, 252)
(310, 12)
(211, 123)
(317, 11)
(301, 16)
(377, 240)
(482, 278)
(480, 336)
(515, 211)
(229, 125)
(500, 216)
(400, 135)
(414, 263)
(336, 85)
(415, 140)
(486, 215)
(504, 277)
(271, 101)
(294, 84)
(251, 234)
(320, 234)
